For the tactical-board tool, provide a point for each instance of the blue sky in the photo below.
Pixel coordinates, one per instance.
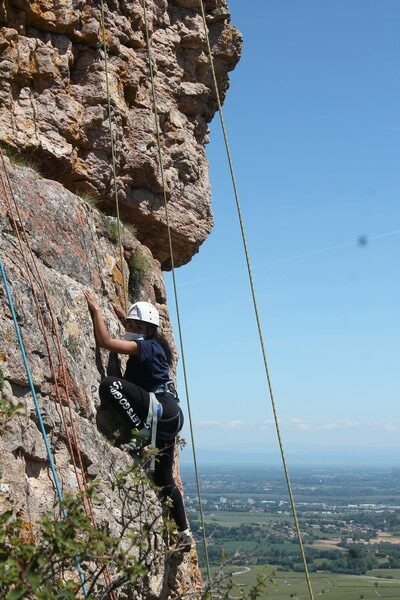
(314, 125)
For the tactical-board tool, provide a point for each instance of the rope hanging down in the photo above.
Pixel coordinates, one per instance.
(255, 305)
(162, 173)
(22, 238)
(39, 414)
(113, 156)
(59, 382)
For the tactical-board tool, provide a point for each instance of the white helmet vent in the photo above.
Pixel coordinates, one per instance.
(144, 311)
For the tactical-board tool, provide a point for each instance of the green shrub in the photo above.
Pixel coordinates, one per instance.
(38, 560)
(8, 410)
(138, 268)
(131, 227)
(22, 160)
(110, 228)
(88, 198)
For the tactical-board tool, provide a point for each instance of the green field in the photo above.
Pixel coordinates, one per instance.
(235, 519)
(327, 586)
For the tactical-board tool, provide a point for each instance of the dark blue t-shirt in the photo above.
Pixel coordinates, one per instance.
(150, 367)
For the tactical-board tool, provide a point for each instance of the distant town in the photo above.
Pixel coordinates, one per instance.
(350, 519)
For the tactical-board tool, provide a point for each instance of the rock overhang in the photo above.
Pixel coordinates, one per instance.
(53, 105)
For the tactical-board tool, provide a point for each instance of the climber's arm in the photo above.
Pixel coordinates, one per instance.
(120, 314)
(103, 338)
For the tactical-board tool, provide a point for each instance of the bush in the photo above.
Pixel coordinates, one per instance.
(138, 268)
(110, 227)
(88, 198)
(21, 160)
(38, 560)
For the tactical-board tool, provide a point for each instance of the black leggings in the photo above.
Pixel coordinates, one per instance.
(133, 403)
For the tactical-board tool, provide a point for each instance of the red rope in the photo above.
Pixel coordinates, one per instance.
(88, 506)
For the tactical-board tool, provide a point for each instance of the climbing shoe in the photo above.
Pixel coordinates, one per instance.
(185, 541)
(131, 448)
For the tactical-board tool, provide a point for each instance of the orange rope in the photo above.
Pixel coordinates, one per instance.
(40, 319)
(57, 342)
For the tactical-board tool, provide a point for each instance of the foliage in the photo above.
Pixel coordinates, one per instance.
(138, 268)
(131, 228)
(38, 560)
(223, 584)
(110, 227)
(8, 409)
(21, 160)
(88, 198)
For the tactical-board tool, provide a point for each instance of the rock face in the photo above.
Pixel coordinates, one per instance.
(54, 115)
(53, 104)
(73, 251)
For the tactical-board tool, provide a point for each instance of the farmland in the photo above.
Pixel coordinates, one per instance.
(289, 586)
(350, 523)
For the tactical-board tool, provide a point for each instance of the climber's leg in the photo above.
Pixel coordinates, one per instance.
(163, 478)
(128, 399)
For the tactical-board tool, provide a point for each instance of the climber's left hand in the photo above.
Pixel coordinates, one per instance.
(120, 313)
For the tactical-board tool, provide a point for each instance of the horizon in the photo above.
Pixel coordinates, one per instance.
(221, 457)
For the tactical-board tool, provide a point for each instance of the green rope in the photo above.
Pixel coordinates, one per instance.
(114, 167)
(255, 305)
(162, 173)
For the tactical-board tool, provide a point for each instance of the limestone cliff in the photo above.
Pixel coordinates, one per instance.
(53, 104)
(53, 114)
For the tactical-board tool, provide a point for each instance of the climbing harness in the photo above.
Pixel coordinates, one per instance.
(38, 411)
(163, 435)
(185, 377)
(167, 388)
(151, 429)
(151, 426)
(255, 305)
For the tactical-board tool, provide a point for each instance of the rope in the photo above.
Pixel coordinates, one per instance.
(28, 273)
(56, 340)
(114, 161)
(162, 173)
(39, 414)
(253, 294)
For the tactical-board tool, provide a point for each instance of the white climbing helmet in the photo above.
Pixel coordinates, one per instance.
(144, 311)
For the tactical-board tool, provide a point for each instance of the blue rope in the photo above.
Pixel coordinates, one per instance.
(39, 414)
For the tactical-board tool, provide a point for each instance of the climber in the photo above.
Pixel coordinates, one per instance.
(146, 397)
